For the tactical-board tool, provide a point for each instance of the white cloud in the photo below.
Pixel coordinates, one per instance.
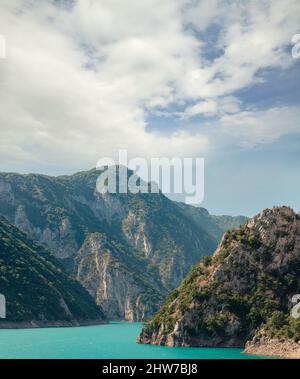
(204, 107)
(210, 107)
(258, 127)
(78, 81)
(253, 35)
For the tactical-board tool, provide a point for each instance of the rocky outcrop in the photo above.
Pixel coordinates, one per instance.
(247, 286)
(276, 347)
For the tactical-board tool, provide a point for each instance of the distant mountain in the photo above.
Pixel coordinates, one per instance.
(128, 250)
(243, 291)
(37, 290)
(214, 225)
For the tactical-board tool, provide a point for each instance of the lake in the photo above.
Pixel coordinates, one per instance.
(114, 340)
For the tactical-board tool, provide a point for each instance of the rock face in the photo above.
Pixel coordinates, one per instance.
(278, 347)
(37, 290)
(243, 292)
(128, 250)
(115, 279)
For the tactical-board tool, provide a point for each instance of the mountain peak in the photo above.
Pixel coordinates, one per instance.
(147, 240)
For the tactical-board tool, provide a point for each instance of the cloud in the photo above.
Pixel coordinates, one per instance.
(258, 127)
(62, 102)
(252, 35)
(210, 107)
(81, 78)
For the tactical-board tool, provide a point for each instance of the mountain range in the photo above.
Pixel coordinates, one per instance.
(128, 250)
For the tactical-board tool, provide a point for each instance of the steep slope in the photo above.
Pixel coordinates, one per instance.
(162, 239)
(115, 279)
(36, 289)
(213, 225)
(244, 290)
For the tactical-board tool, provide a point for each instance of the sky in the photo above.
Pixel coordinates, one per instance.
(160, 78)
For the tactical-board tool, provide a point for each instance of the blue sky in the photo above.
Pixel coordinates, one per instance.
(179, 78)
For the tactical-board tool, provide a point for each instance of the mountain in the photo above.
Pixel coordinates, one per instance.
(37, 290)
(214, 225)
(128, 250)
(243, 291)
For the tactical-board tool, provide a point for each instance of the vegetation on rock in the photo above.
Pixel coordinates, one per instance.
(151, 241)
(244, 290)
(35, 284)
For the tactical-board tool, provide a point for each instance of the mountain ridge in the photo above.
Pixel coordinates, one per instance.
(65, 212)
(37, 290)
(242, 293)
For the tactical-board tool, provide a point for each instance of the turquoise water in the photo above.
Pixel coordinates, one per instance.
(115, 340)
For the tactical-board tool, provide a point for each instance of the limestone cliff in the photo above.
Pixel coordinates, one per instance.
(153, 239)
(118, 280)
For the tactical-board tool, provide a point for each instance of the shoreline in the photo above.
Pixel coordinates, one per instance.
(266, 347)
(49, 324)
(274, 348)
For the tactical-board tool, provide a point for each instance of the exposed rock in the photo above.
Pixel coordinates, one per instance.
(115, 279)
(246, 287)
(276, 347)
(164, 239)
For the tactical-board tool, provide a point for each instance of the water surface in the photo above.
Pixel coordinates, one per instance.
(115, 340)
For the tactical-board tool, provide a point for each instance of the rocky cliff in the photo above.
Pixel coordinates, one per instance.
(116, 280)
(37, 291)
(148, 243)
(243, 291)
